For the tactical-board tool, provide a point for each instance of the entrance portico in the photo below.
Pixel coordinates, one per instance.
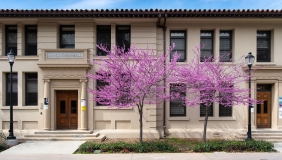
(65, 98)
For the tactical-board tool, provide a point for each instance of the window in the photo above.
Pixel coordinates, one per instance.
(177, 107)
(225, 46)
(14, 88)
(225, 111)
(11, 39)
(203, 110)
(206, 94)
(30, 40)
(101, 84)
(263, 46)
(123, 37)
(124, 88)
(104, 38)
(179, 39)
(67, 37)
(206, 44)
(31, 89)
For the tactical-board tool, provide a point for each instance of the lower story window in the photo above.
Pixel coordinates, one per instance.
(177, 107)
(203, 110)
(31, 89)
(14, 89)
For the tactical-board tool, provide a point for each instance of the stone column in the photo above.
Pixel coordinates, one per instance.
(46, 109)
(83, 106)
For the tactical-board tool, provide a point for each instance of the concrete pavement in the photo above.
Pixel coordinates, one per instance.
(148, 156)
(44, 147)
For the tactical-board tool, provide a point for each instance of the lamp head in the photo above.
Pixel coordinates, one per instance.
(11, 56)
(249, 59)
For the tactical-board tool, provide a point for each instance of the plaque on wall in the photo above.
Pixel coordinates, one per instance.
(64, 55)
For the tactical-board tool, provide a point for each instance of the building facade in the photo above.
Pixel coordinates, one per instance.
(54, 49)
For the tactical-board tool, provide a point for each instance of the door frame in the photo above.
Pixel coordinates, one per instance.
(69, 96)
(270, 106)
(53, 101)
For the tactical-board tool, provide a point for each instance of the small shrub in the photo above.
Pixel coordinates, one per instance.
(2, 136)
(234, 146)
(124, 147)
(3, 147)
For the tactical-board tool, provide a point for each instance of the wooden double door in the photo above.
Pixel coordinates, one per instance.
(263, 110)
(67, 109)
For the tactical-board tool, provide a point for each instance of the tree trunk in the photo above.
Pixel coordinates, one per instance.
(205, 125)
(141, 124)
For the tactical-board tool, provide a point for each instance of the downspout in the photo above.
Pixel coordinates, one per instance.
(164, 50)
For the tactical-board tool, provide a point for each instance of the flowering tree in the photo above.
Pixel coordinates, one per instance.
(132, 78)
(210, 81)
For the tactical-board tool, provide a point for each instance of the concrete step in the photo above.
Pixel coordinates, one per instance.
(261, 134)
(261, 137)
(95, 139)
(63, 135)
(64, 132)
(266, 131)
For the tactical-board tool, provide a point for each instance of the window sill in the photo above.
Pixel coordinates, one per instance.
(178, 118)
(22, 57)
(265, 63)
(19, 108)
(113, 108)
(219, 119)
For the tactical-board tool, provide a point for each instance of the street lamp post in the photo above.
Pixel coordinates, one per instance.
(11, 139)
(249, 59)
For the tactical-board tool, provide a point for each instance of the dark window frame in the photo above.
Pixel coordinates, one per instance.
(268, 59)
(180, 104)
(14, 94)
(14, 45)
(67, 32)
(212, 45)
(179, 37)
(100, 32)
(31, 96)
(121, 44)
(224, 50)
(29, 45)
(203, 110)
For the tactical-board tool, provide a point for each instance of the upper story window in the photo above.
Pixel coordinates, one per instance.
(207, 44)
(263, 46)
(31, 89)
(67, 37)
(123, 37)
(225, 46)
(104, 38)
(14, 88)
(11, 39)
(30, 40)
(179, 39)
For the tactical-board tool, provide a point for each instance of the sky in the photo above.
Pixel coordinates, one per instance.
(141, 4)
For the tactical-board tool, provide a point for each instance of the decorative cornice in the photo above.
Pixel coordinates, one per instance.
(146, 13)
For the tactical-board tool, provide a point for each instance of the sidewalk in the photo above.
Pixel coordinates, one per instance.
(148, 156)
(44, 147)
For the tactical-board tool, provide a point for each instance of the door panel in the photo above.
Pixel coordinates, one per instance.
(263, 110)
(67, 109)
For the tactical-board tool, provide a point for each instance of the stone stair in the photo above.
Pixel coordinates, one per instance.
(63, 135)
(262, 134)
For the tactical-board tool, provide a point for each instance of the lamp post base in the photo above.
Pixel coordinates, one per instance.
(11, 142)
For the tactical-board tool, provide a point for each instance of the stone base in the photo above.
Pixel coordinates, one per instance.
(11, 142)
